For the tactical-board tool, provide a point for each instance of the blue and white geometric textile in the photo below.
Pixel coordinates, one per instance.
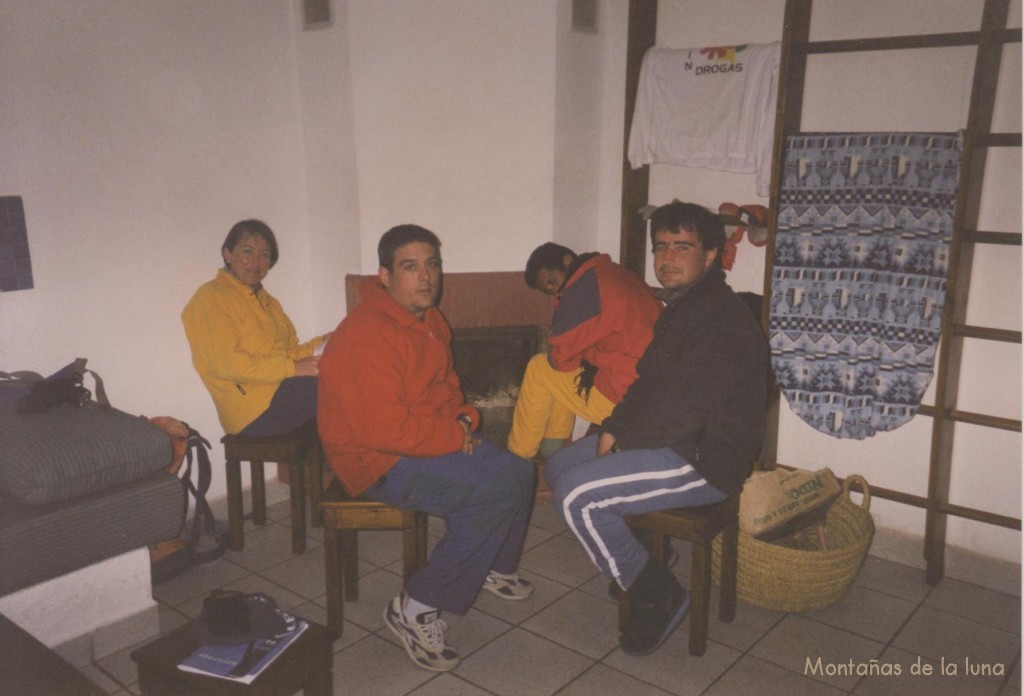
(859, 280)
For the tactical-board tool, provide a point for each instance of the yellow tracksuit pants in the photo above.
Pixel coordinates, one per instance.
(547, 406)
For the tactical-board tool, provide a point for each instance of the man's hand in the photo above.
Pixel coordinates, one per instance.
(605, 443)
(470, 441)
(307, 367)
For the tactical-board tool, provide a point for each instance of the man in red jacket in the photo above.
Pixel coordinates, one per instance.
(602, 323)
(397, 429)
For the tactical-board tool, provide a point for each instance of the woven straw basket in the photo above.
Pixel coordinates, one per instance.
(787, 579)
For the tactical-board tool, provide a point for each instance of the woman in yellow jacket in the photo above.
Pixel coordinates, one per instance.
(244, 347)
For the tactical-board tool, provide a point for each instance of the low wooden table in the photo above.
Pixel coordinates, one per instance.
(306, 664)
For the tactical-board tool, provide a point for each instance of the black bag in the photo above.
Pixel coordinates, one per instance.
(203, 538)
(230, 617)
(30, 392)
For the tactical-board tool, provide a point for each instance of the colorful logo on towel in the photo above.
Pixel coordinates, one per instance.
(719, 59)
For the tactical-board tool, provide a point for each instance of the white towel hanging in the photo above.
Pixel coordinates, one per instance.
(712, 108)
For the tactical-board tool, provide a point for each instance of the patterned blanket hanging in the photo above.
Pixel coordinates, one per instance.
(861, 252)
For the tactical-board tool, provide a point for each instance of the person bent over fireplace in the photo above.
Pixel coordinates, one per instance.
(602, 322)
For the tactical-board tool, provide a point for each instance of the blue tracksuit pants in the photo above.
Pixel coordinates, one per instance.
(485, 499)
(593, 494)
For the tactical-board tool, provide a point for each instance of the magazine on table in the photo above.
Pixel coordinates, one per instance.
(240, 663)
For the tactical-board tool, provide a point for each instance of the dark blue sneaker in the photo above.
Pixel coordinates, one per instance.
(613, 587)
(658, 603)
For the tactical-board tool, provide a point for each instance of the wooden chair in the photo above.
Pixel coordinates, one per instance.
(343, 518)
(698, 525)
(300, 452)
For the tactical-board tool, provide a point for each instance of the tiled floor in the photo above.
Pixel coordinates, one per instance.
(564, 640)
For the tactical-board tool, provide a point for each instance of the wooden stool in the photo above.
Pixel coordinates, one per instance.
(698, 525)
(298, 450)
(343, 518)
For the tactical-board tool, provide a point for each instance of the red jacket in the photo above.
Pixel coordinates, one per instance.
(387, 390)
(605, 315)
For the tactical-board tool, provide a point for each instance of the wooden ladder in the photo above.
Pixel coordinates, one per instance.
(978, 139)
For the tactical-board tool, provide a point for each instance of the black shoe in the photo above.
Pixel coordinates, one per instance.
(658, 603)
(614, 591)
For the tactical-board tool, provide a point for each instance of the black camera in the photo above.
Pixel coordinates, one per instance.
(48, 393)
(227, 613)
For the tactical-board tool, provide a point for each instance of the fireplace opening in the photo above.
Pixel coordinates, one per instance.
(490, 363)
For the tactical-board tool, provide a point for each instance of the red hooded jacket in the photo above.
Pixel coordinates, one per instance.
(605, 315)
(387, 390)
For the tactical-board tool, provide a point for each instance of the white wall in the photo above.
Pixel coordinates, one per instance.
(921, 90)
(578, 120)
(324, 79)
(454, 117)
(590, 98)
(137, 134)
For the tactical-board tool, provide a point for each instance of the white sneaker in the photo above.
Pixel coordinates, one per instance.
(508, 586)
(423, 638)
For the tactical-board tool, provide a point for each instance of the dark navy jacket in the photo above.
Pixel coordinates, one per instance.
(702, 385)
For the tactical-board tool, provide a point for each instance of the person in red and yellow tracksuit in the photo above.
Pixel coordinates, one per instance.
(602, 323)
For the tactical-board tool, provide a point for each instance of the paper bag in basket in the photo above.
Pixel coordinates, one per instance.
(779, 502)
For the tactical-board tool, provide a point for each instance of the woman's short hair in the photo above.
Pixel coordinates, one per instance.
(398, 237)
(677, 216)
(251, 228)
(548, 256)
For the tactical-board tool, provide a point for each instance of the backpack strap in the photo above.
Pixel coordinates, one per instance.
(184, 475)
(203, 514)
(99, 392)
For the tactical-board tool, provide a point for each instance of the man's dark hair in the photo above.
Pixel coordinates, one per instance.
(398, 237)
(677, 216)
(255, 228)
(548, 256)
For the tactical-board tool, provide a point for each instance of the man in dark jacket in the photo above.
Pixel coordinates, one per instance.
(685, 433)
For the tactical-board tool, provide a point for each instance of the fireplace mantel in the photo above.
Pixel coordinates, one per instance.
(480, 300)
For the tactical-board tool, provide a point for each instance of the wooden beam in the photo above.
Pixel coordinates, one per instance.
(643, 22)
(972, 175)
(789, 104)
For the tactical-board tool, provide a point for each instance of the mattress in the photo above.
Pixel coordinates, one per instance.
(40, 542)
